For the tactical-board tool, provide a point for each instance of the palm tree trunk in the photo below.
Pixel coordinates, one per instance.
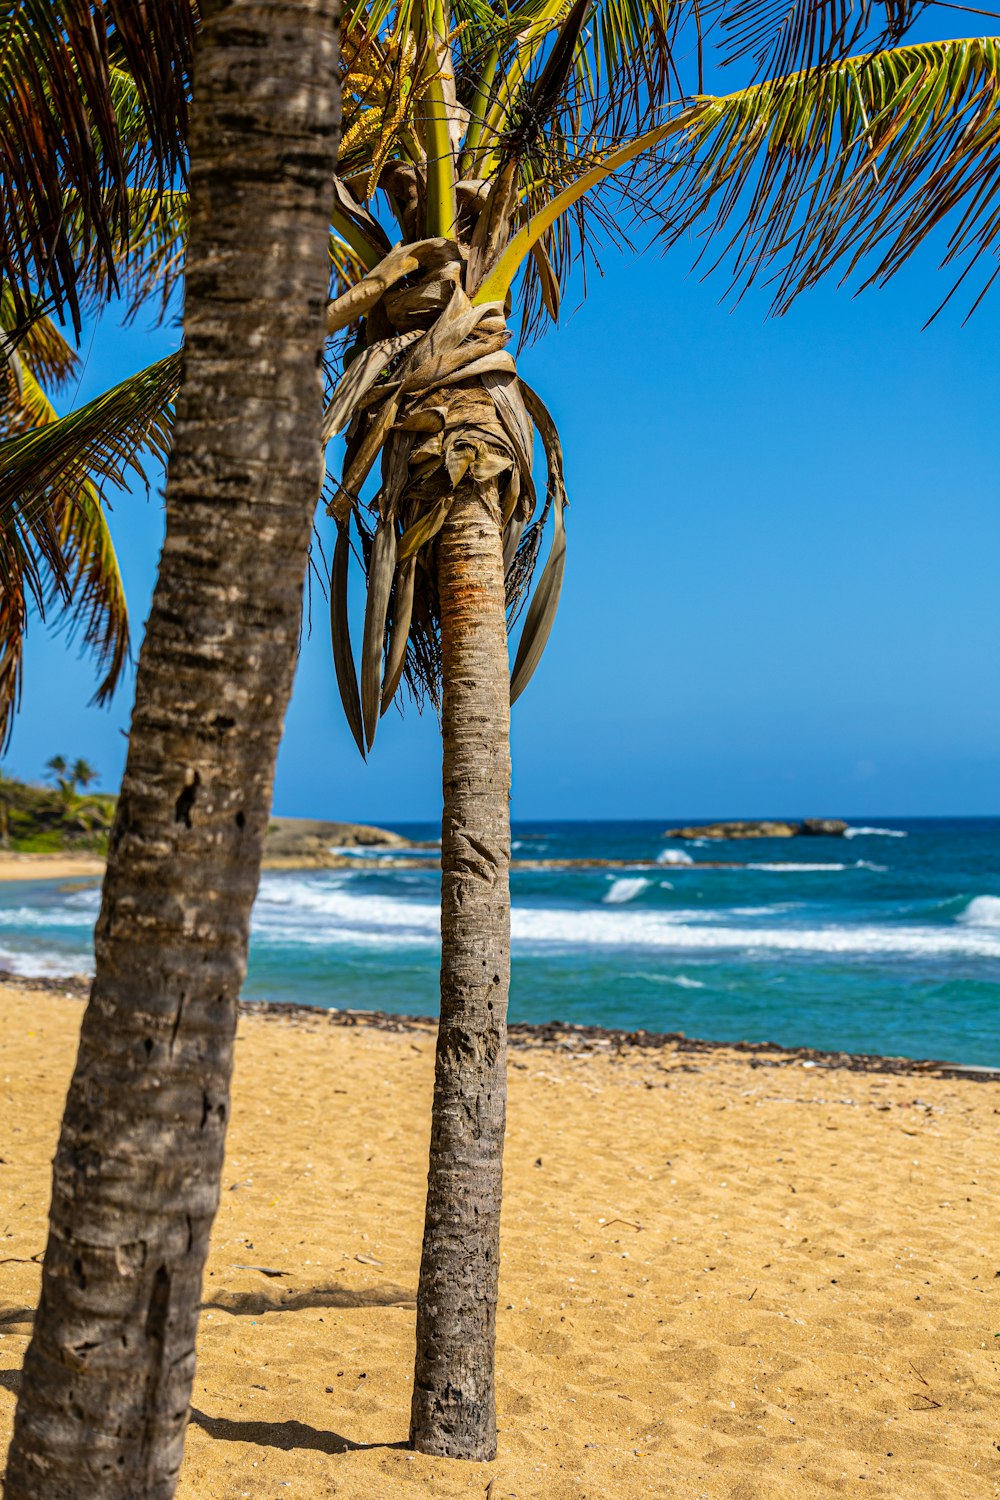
(454, 1410)
(108, 1373)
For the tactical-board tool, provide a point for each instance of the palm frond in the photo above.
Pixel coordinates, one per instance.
(40, 346)
(60, 553)
(857, 161)
(149, 257)
(63, 160)
(13, 619)
(90, 596)
(100, 442)
(786, 36)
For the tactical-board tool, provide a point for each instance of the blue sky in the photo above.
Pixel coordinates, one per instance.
(781, 590)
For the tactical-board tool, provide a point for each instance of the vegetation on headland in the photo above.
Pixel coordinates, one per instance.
(52, 819)
(67, 818)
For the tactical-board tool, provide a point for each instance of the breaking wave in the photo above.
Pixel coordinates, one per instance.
(982, 911)
(330, 913)
(625, 889)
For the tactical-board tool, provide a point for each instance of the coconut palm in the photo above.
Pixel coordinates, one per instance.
(489, 144)
(494, 142)
(83, 773)
(57, 766)
(107, 1378)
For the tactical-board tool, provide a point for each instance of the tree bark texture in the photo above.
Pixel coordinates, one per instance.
(108, 1374)
(453, 1410)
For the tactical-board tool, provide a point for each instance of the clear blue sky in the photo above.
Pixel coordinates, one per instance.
(782, 586)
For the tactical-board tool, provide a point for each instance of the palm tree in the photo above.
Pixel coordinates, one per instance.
(486, 137)
(83, 773)
(491, 141)
(6, 782)
(108, 1373)
(57, 766)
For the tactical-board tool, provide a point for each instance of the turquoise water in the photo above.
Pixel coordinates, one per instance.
(888, 941)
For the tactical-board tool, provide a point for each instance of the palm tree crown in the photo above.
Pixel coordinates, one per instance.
(515, 138)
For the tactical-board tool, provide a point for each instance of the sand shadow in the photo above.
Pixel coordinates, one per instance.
(255, 1304)
(284, 1435)
(10, 1380)
(11, 1316)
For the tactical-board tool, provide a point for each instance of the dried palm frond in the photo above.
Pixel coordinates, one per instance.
(441, 404)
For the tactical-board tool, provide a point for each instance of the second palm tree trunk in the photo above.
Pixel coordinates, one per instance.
(454, 1408)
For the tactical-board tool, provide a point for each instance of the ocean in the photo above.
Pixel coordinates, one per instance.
(886, 941)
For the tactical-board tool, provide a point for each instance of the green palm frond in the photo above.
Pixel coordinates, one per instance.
(857, 161)
(13, 619)
(60, 554)
(62, 156)
(102, 441)
(40, 347)
(346, 264)
(149, 258)
(90, 597)
(785, 36)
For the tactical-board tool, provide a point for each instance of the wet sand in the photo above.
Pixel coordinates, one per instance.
(726, 1275)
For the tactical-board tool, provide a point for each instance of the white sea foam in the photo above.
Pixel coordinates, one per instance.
(330, 913)
(792, 868)
(674, 857)
(341, 910)
(331, 910)
(875, 833)
(625, 889)
(765, 911)
(781, 866)
(51, 916)
(45, 965)
(982, 911)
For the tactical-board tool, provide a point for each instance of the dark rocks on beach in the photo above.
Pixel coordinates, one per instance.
(763, 829)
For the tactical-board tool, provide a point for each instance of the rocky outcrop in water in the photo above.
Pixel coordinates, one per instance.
(302, 842)
(763, 829)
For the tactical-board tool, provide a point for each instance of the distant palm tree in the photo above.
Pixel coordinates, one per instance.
(104, 1402)
(490, 141)
(6, 783)
(57, 766)
(83, 774)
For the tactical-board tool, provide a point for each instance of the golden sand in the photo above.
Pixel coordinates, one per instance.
(722, 1278)
(48, 866)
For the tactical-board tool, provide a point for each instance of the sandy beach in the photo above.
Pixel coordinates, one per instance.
(48, 866)
(726, 1276)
